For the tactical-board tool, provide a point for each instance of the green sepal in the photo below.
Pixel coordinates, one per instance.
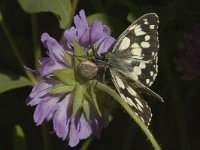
(90, 52)
(66, 76)
(60, 89)
(68, 59)
(19, 138)
(79, 93)
(86, 109)
(95, 100)
(79, 54)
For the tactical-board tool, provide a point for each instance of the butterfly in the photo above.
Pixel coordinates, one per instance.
(132, 62)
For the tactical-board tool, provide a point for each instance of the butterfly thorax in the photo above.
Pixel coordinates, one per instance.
(117, 63)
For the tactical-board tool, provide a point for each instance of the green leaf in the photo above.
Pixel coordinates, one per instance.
(68, 59)
(86, 108)
(66, 76)
(95, 101)
(79, 93)
(60, 88)
(61, 8)
(10, 81)
(79, 54)
(116, 26)
(19, 138)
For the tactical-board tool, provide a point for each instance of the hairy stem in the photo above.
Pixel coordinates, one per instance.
(116, 97)
(86, 144)
(15, 49)
(35, 38)
(46, 139)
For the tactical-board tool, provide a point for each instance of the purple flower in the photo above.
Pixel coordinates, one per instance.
(88, 35)
(54, 98)
(188, 61)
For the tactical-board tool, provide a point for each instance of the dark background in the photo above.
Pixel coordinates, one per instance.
(175, 122)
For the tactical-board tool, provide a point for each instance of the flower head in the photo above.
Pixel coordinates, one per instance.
(61, 96)
(189, 54)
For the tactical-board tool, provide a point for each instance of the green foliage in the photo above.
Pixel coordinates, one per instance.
(86, 108)
(19, 138)
(10, 81)
(66, 76)
(68, 59)
(79, 93)
(79, 54)
(60, 89)
(96, 100)
(61, 8)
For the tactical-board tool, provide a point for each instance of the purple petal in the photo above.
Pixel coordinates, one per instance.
(84, 40)
(39, 87)
(106, 30)
(56, 52)
(39, 92)
(105, 44)
(36, 100)
(60, 118)
(73, 135)
(35, 72)
(44, 108)
(97, 126)
(71, 34)
(97, 31)
(96, 123)
(84, 128)
(81, 23)
(48, 65)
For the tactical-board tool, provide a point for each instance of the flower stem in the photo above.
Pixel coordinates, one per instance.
(11, 41)
(35, 37)
(46, 139)
(87, 144)
(15, 49)
(144, 128)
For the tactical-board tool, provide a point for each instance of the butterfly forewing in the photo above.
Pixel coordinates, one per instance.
(135, 52)
(140, 39)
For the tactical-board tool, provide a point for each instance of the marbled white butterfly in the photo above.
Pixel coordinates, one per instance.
(132, 62)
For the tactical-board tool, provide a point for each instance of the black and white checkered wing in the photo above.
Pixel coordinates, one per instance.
(128, 91)
(136, 50)
(133, 63)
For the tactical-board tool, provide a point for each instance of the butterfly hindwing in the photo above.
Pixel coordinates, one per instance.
(140, 88)
(129, 93)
